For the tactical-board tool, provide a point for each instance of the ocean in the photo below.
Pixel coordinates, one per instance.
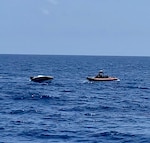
(70, 109)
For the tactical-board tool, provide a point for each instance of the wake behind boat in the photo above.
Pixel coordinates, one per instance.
(41, 78)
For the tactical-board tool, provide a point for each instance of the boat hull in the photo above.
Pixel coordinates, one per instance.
(41, 78)
(101, 79)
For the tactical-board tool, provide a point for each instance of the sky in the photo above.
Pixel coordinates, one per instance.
(75, 27)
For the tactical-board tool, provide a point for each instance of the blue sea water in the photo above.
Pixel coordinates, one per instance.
(70, 109)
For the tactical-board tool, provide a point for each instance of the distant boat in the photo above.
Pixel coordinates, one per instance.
(41, 78)
(102, 78)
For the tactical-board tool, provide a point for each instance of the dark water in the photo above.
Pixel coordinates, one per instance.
(71, 109)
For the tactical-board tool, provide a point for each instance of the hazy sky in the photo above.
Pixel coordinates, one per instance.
(75, 27)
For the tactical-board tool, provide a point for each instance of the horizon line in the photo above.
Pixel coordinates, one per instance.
(73, 55)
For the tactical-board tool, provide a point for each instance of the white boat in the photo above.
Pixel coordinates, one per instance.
(41, 78)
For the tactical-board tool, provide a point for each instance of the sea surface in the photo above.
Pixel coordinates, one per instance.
(70, 109)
